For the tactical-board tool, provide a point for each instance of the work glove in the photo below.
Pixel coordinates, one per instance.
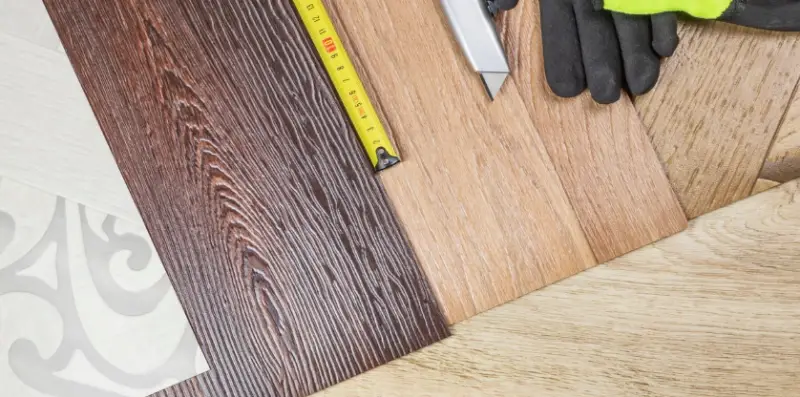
(604, 51)
(763, 14)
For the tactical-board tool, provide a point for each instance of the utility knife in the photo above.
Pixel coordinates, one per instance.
(473, 24)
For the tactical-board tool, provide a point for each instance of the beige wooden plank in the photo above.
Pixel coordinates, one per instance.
(610, 172)
(716, 109)
(762, 185)
(710, 312)
(476, 192)
(783, 161)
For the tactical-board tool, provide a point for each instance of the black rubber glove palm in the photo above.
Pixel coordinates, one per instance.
(601, 50)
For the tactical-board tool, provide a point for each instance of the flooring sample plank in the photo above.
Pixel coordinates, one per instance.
(28, 20)
(709, 312)
(476, 192)
(762, 185)
(50, 138)
(783, 161)
(279, 240)
(86, 308)
(190, 388)
(717, 107)
(610, 172)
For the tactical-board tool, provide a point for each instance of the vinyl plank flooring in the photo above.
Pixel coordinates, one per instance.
(476, 192)
(783, 160)
(709, 312)
(717, 107)
(611, 174)
(280, 242)
(189, 388)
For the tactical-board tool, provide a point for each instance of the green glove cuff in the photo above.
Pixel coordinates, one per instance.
(704, 9)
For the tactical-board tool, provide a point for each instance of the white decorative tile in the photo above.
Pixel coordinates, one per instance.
(86, 309)
(49, 137)
(28, 20)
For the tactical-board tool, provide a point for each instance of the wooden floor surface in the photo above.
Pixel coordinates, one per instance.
(492, 222)
(783, 160)
(41, 97)
(602, 154)
(714, 114)
(280, 242)
(710, 312)
(500, 216)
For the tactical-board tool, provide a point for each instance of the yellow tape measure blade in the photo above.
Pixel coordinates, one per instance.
(348, 85)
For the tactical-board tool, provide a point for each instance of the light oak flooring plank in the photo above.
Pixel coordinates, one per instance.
(710, 312)
(476, 192)
(762, 185)
(610, 172)
(715, 111)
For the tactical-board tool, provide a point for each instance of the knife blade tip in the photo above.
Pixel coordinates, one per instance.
(493, 82)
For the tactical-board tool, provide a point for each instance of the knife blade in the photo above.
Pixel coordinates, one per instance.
(472, 22)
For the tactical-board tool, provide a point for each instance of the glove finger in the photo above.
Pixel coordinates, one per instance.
(641, 64)
(601, 53)
(563, 67)
(665, 33)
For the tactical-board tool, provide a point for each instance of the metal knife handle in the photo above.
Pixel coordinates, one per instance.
(474, 28)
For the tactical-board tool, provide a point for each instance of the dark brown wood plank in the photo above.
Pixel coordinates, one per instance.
(279, 240)
(189, 388)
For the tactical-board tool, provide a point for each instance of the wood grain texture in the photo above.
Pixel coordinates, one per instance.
(279, 240)
(762, 185)
(476, 192)
(710, 312)
(189, 388)
(715, 111)
(613, 178)
(783, 161)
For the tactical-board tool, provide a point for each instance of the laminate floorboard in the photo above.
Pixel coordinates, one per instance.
(611, 174)
(476, 192)
(717, 107)
(280, 242)
(709, 312)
